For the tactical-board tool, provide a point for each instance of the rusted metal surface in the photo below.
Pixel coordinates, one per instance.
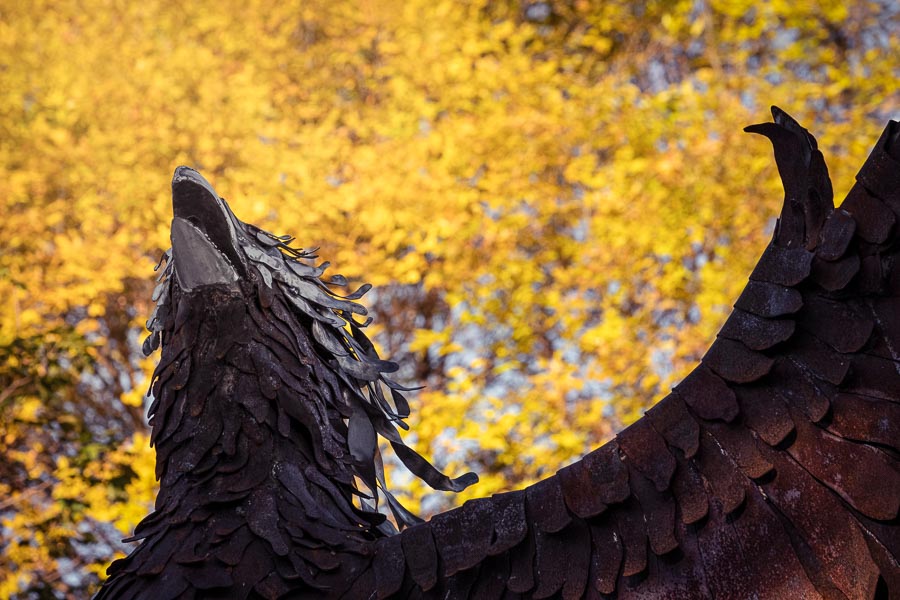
(772, 471)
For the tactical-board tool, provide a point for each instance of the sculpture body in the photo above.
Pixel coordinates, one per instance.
(771, 471)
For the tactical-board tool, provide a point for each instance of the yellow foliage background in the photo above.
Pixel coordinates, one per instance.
(554, 200)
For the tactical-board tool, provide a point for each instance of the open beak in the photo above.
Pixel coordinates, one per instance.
(204, 245)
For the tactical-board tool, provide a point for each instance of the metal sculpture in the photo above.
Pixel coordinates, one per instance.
(771, 471)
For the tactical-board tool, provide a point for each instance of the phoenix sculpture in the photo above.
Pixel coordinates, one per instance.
(771, 471)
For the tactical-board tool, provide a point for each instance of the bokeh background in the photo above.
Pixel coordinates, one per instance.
(554, 200)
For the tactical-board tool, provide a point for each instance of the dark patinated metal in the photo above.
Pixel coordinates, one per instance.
(771, 471)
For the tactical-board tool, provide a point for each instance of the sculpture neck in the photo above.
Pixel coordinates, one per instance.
(249, 451)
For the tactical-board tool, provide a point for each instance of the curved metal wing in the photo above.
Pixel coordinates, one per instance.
(771, 471)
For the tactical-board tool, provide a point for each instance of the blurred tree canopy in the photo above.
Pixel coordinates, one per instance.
(554, 200)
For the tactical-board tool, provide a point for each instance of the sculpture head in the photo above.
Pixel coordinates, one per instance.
(235, 304)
